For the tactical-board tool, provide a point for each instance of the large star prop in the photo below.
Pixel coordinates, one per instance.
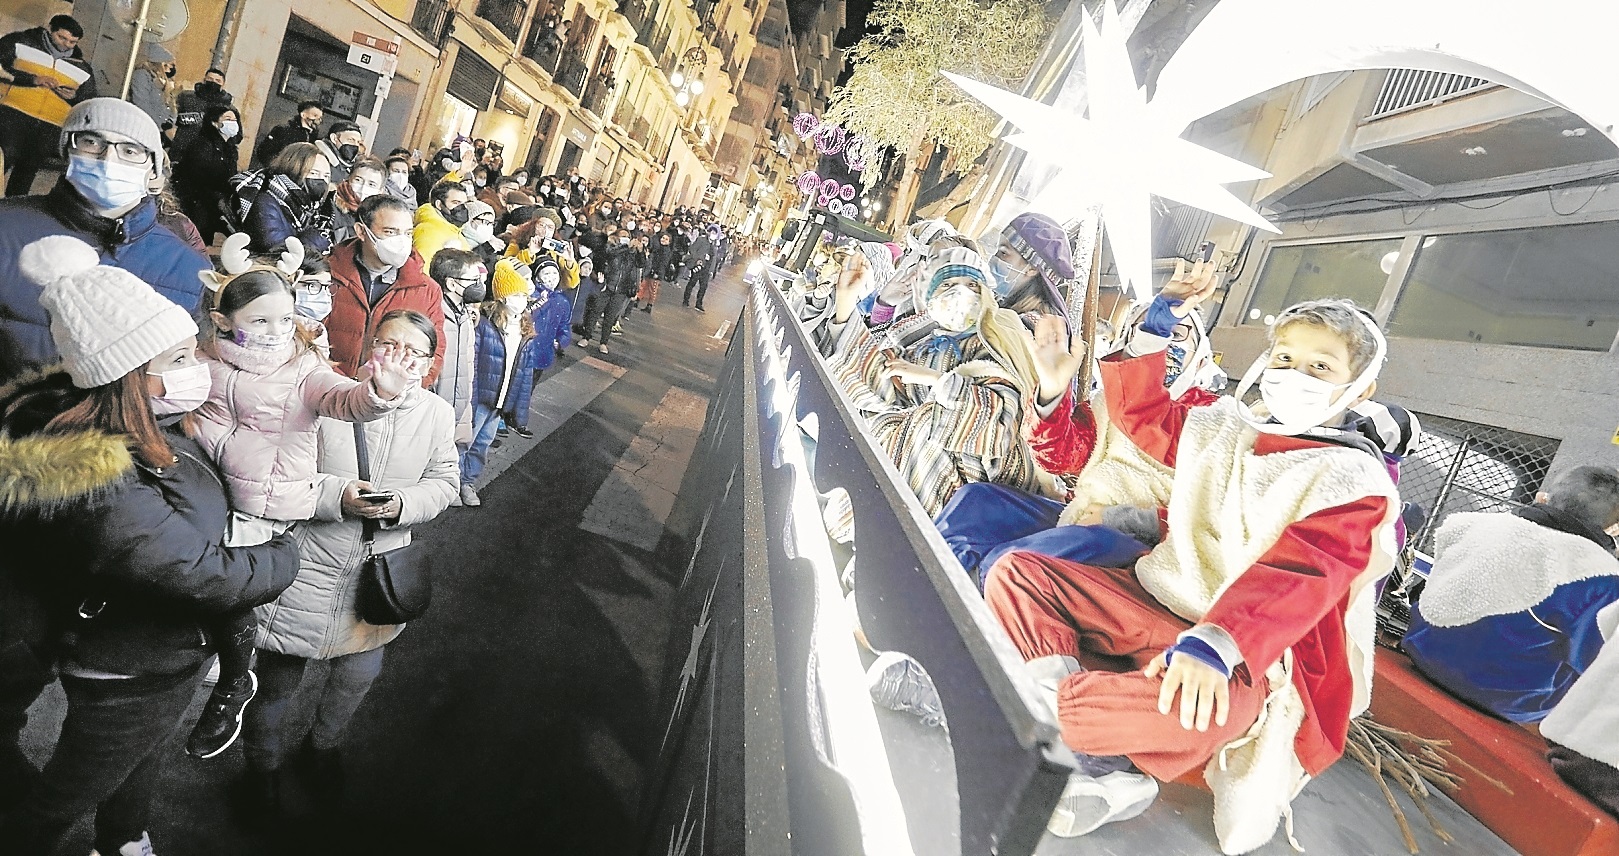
(1118, 157)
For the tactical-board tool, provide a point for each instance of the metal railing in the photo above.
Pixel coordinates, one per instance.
(544, 49)
(432, 19)
(1464, 466)
(638, 13)
(595, 97)
(572, 75)
(506, 15)
(1406, 89)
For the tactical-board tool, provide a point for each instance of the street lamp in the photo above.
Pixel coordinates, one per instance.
(686, 89)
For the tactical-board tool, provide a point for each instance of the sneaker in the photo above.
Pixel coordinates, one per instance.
(898, 682)
(647, 309)
(618, 330)
(702, 310)
(1089, 802)
(503, 430)
(583, 343)
(602, 349)
(221, 720)
(141, 847)
(524, 433)
(469, 497)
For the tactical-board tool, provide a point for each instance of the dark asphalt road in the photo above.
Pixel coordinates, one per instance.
(517, 716)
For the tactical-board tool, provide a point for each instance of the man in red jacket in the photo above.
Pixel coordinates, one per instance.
(374, 274)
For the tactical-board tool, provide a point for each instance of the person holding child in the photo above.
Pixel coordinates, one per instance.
(1256, 609)
(269, 386)
(107, 490)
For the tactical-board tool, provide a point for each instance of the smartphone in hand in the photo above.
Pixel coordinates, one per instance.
(376, 497)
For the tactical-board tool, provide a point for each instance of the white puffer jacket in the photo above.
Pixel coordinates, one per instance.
(412, 453)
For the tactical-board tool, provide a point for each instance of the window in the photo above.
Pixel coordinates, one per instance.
(1351, 269)
(1549, 287)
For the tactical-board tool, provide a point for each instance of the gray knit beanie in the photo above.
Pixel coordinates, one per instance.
(113, 115)
(105, 321)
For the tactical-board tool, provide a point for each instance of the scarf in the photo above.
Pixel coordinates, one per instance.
(943, 342)
(255, 361)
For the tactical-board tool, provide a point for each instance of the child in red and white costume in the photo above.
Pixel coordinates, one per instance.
(1257, 607)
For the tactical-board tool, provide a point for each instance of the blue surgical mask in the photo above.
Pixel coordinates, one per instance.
(108, 184)
(1000, 277)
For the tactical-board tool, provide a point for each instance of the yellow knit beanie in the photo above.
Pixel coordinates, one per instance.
(510, 279)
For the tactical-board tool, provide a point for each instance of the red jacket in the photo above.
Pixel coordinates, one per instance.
(1297, 593)
(1062, 442)
(354, 320)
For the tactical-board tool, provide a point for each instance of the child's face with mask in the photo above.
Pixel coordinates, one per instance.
(955, 304)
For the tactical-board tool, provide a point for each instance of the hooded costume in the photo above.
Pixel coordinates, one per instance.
(965, 428)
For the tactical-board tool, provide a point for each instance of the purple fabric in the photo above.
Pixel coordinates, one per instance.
(1043, 242)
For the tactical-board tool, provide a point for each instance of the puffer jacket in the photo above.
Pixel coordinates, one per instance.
(494, 364)
(91, 530)
(281, 210)
(354, 318)
(135, 242)
(460, 337)
(622, 266)
(434, 233)
(412, 452)
(260, 429)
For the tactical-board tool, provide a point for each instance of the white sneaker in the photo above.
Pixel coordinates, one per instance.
(602, 349)
(143, 847)
(1088, 802)
(469, 497)
(898, 682)
(583, 343)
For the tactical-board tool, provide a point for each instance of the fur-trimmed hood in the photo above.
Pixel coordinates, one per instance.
(43, 474)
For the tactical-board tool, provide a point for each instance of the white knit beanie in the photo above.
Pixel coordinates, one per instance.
(115, 115)
(106, 322)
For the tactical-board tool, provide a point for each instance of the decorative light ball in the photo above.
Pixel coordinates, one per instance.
(677, 79)
(847, 192)
(805, 124)
(697, 87)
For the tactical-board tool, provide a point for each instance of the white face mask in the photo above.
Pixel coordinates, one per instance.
(394, 251)
(954, 308)
(478, 233)
(549, 277)
(313, 304)
(229, 130)
(263, 341)
(400, 180)
(516, 302)
(1295, 398)
(184, 390)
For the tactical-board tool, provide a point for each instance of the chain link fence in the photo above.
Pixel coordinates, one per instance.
(1458, 466)
(1463, 466)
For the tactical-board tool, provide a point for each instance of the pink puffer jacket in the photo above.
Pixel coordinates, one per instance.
(261, 430)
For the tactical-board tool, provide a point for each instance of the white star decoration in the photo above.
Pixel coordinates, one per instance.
(1120, 156)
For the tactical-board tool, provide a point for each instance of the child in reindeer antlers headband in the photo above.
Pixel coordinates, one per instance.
(268, 386)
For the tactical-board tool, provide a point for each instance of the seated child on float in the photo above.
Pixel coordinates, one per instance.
(1508, 619)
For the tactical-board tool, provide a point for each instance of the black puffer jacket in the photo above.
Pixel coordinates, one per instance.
(114, 565)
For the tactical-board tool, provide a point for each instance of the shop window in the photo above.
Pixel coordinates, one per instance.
(1548, 287)
(1357, 270)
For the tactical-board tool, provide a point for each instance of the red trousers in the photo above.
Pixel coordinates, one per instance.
(649, 291)
(1106, 620)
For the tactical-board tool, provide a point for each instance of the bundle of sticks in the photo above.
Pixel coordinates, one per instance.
(1413, 763)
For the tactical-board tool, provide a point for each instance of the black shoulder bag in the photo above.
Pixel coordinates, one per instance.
(396, 586)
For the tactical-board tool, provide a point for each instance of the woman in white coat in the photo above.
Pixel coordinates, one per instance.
(412, 456)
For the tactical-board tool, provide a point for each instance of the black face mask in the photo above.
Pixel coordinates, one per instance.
(348, 153)
(474, 293)
(170, 72)
(457, 215)
(315, 187)
(208, 89)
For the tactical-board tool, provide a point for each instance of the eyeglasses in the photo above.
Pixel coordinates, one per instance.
(314, 286)
(97, 145)
(420, 355)
(1181, 333)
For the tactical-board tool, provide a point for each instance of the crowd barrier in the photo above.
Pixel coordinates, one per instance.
(768, 741)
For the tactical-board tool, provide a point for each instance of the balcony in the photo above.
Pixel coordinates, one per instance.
(639, 14)
(432, 19)
(572, 75)
(506, 15)
(544, 48)
(595, 97)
